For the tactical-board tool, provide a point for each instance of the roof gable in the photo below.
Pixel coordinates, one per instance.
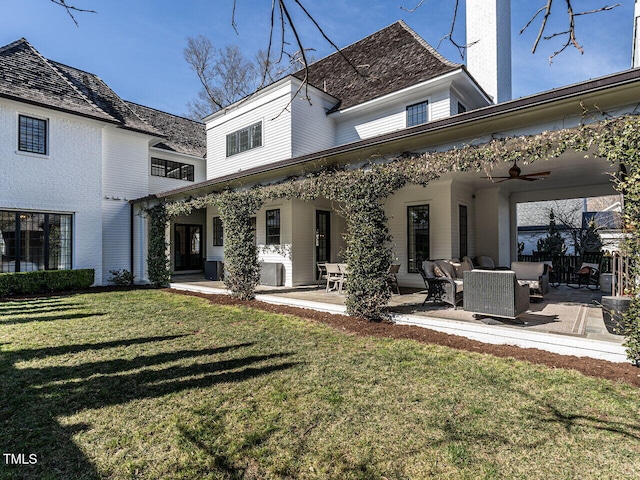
(26, 76)
(389, 60)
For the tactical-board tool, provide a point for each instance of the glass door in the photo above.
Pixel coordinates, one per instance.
(323, 236)
(187, 247)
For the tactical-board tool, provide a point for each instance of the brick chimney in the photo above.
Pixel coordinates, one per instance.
(489, 60)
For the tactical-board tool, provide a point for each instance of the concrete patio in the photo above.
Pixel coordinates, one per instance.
(568, 321)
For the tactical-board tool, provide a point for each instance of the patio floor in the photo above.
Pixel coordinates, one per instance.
(567, 321)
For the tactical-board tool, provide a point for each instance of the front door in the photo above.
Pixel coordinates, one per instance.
(188, 247)
(323, 236)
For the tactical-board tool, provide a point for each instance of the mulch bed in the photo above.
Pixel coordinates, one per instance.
(623, 372)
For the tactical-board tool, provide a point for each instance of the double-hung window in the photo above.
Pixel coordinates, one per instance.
(245, 139)
(417, 114)
(32, 136)
(417, 235)
(273, 227)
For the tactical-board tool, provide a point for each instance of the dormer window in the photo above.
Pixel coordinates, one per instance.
(245, 139)
(417, 114)
(32, 136)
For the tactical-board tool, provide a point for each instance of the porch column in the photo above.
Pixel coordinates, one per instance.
(493, 225)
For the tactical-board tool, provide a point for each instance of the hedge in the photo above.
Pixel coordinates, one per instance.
(44, 281)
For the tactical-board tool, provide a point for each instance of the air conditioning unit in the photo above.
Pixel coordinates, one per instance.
(271, 274)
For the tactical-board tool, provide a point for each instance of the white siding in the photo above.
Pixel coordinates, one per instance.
(272, 110)
(312, 129)
(438, 196)
(389, 115)
(125, 176)
(277, 253)
(67, 180)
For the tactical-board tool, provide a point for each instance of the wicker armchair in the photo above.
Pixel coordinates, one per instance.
(440, 289)
(495, 293)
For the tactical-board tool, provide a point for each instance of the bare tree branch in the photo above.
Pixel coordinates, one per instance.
(569, 33)
(71, 8)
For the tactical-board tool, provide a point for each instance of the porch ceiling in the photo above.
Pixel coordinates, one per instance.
(571, 170)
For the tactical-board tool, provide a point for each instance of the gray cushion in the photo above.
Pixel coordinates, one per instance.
(427, 267)
(447, 268)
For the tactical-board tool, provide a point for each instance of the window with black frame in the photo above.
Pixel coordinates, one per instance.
(32, 241)
(417, 114)
(417, 236)
(217, 232)
(32, 137)
(463, 226)
(273, 227)
(170, 169)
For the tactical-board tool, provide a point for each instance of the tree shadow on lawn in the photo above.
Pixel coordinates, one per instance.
(32, 399)
(50, 318)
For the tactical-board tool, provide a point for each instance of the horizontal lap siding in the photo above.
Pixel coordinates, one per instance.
(272, 111)
(437, 196)
(125, 176)
(312, 130)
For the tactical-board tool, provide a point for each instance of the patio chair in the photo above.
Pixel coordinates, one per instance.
(392, 278)
(321, 275)
(334, 277)
(344, 271)
(440, 289)
(588, 275)
(495, 293)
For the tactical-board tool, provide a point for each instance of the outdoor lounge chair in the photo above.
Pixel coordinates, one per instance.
(322, 273)
(534, 274)
(440, 288)
(495, 293)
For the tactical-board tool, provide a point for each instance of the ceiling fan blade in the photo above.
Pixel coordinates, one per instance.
(528, 179)
(491, 178)
(537, 174)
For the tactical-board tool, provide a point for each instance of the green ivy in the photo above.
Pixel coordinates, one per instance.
(157, 259)
(241, 267)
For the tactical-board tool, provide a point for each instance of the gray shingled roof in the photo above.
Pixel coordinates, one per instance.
(182, 135)
(26, 76)
(106, 99)
(391, 59)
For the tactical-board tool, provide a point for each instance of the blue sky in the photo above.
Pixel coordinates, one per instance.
(136, 46)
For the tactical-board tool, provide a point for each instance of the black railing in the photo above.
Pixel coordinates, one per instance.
(564, 266)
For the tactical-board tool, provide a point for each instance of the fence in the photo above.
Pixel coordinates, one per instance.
(564, 266)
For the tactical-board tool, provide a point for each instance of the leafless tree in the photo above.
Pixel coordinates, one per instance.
(226, 75)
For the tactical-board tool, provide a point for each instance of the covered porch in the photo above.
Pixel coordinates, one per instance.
(567, 320)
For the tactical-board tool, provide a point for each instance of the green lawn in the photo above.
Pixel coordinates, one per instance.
(156, 385)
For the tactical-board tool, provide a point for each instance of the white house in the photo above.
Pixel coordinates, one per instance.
(397, 94)
(72, 155)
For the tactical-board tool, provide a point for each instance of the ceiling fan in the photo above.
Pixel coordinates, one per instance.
(515, 174)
